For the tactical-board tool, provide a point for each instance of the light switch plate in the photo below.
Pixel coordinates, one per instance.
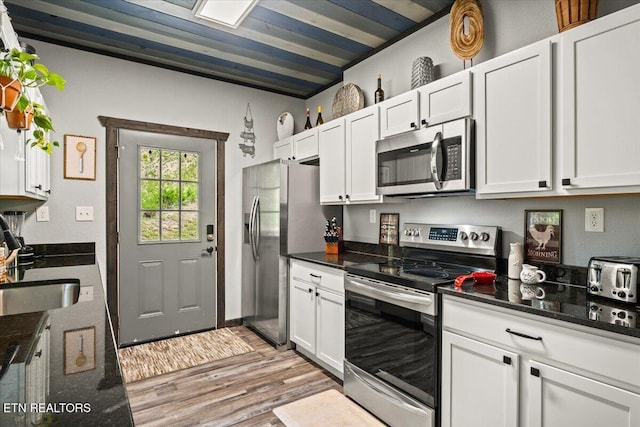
(42, 214)
(594, 220)
(84, 213)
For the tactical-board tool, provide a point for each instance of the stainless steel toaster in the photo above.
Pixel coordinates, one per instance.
(614, 277)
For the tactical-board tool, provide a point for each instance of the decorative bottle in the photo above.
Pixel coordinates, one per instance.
(319, 119)
(379, 94)
(515, 261)
(307, 125)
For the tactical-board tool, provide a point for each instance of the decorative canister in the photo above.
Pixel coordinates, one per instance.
(515, 261)
(421, 72)
(3, 265)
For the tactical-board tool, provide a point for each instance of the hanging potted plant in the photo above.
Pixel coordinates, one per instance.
(23, 68)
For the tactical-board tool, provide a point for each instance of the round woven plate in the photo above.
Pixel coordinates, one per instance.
(466, 46)
(348, 98)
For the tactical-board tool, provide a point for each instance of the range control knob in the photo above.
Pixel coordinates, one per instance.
(622, 294)
(407, 232)
(484, 236)
(622, 315)
(473, 236)
(463, 235)
(594, 288)
(416, 231)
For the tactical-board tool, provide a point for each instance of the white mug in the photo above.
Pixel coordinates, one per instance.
(531, 291)
(530, 274)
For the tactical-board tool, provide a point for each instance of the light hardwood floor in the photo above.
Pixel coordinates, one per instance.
(237, 391)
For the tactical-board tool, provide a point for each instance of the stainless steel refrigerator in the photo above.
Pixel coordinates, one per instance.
(281, 215)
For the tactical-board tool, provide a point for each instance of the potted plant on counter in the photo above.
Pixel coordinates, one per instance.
(21, 68)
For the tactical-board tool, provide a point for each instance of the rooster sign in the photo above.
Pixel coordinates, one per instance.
(543, 235)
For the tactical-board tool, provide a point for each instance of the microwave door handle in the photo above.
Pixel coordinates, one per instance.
(435, 146)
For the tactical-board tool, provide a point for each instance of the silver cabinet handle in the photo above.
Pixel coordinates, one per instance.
(315, 275)
(435, 146)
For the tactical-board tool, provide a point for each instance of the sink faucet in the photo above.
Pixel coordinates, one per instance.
(12, 243)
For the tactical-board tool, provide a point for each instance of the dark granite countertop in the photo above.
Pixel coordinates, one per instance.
(570, 303)
(81, 392)
(338, 261)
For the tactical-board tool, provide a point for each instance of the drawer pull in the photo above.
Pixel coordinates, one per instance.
(535, 372)
(315, 275)
(310, 290)
(506, 360)
(520, 334)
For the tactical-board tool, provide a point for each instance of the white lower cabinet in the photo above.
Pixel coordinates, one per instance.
(317, 313)
(479, 383)
(505, 369)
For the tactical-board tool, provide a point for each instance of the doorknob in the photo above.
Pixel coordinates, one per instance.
(209, 249)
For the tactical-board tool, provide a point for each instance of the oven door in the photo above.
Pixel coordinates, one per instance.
(425, 162)
(391, 334)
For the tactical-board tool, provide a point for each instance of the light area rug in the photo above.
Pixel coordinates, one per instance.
(172, 354)
(329, 408)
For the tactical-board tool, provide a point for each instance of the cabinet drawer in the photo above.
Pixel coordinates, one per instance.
(318, 275)
(560, 342)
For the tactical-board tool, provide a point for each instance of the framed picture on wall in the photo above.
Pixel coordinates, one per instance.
(389, 228)
(79, 157)
(543, 236)
(79, 350)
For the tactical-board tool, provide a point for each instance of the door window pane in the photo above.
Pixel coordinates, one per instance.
(149, 226)
(170, 226)
(169, 191)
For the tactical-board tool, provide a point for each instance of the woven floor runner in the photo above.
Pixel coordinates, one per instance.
(172, 354)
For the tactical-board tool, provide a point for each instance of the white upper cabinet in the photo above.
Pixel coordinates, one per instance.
(301, 147)
(331, 141)
(513, 111)
(362, 132)
(283, 149)
(446, 99)
(601, 104)
(347, 149)
(305, 145)
(399, 114)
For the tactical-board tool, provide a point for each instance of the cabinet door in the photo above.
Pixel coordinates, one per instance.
(283, 149)
(331, 143)
(446, 99)
(363, 130)
(36, 172)
(559, 398)
(601, 97)
(479, 384)
(513, 121)
(399, 114)
(305, 144)
(303, 314)
(330, 328)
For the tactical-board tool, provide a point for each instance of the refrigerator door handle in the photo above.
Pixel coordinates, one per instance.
(251, 227)
(256, 229)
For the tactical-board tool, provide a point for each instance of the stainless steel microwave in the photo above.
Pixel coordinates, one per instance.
(437, 160)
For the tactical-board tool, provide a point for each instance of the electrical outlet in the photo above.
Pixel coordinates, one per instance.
(594, 219)
(42, 214)
(84, 213)
(372, 216)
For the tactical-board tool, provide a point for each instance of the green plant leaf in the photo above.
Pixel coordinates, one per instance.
(41, 68)
(56, 80)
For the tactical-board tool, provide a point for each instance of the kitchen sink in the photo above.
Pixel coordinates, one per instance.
(27, 297)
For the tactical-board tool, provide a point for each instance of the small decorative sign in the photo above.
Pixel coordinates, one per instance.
(543, 236)
(79, 157)
(79, 350)
(389, 228)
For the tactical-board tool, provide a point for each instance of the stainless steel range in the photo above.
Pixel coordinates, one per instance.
(392, 329)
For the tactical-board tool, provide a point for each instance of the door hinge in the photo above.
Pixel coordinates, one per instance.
(506, 360)
(535, 372)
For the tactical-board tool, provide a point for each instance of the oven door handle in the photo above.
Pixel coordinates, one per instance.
(435, 147)
(419, 303)
(385, 395)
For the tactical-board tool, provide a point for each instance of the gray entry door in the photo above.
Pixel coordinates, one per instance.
(167, 264)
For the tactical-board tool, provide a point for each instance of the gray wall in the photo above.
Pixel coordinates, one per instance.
(101, 85)
(508, 25)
